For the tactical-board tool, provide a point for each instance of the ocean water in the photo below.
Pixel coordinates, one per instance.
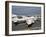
(25, 10)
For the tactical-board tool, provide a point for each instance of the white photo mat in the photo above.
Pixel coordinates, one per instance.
(25, 31)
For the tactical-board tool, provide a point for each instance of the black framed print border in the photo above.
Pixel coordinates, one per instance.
(7, 17)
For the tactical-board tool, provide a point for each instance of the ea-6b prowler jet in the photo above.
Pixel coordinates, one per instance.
(24, 19)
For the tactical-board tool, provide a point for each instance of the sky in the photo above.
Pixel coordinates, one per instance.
(26, 10)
